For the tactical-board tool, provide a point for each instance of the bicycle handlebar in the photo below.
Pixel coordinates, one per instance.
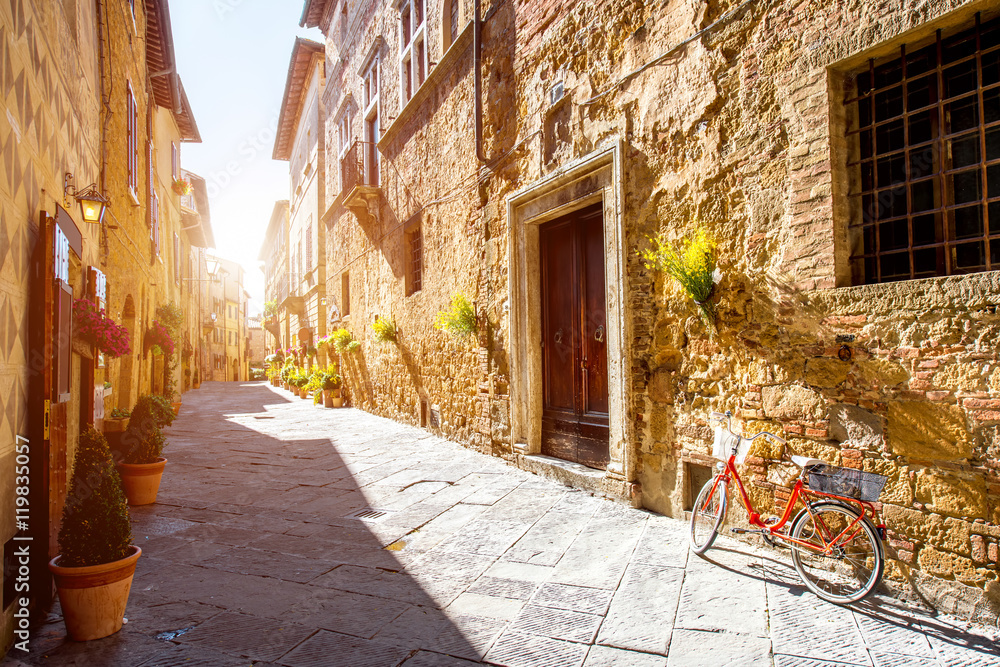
(772, 436)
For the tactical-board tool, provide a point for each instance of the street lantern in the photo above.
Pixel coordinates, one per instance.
(92, 203)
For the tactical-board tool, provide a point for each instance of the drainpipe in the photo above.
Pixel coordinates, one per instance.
(477, 47)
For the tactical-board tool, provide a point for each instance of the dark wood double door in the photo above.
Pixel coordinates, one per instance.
(574, 339)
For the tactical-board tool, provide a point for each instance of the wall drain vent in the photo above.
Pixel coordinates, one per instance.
(368, 514)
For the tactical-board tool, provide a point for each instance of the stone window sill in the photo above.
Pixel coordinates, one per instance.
(972, 291)
(434, 78)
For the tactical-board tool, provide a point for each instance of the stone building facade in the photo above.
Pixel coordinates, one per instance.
(274, 255)
(90, 95)
(224, 316)
(300, 141)
(841, 154)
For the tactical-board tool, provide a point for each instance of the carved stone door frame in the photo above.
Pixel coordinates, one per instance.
(591, 179)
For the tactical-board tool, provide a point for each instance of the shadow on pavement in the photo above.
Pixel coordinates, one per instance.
(251, 551)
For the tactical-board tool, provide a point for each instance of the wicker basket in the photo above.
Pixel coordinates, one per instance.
(845, 482)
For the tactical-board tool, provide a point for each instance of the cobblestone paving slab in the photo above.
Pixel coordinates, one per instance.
(642, 611)
(482, 560)
(898, 637)
(557, 623)
(606, 656)
(346, 613)
(722, 600)
(897, 660)
(328, 648)
(516, 650)
(504, 588)
(196, 656)
(801, 625)
(955, 649)
(429, 659)
(692, 648)
(579, 598)
(256, 638)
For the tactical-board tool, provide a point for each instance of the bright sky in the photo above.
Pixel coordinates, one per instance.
(233, 57)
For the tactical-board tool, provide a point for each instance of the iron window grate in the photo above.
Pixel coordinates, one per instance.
(924, 163)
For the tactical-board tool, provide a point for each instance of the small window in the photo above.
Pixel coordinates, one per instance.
(414, 259)
(154, 228)
(132, 142)
(177, 259)
(309, 245)
(452, 21)
(345, 293)
(412, 47)
(924, 159)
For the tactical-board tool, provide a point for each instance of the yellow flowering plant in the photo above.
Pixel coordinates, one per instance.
(691, 262)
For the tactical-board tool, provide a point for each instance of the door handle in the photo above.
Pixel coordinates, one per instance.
(559, 337)
(599, 334)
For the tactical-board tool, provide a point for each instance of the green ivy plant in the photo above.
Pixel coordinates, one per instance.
(460, 319)
(95, 523)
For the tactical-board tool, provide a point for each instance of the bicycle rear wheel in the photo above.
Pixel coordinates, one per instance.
(853, 567)
(707, 515)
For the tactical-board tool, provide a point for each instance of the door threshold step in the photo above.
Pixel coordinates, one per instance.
(571, 474)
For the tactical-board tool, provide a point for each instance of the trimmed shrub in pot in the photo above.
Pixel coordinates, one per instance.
(94, 569)
(141, 467)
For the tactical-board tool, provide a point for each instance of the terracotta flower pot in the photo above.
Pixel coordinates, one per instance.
(303, 394)
(141, 481)
(176, 407)
(93, 598)
(113, 430)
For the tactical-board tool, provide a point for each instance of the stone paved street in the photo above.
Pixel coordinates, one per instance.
(253, 555)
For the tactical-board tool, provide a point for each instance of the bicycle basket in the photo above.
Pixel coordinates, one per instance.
(723, 445)
(846, 482)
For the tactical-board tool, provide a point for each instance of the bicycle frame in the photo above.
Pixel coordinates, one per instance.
(798, 492)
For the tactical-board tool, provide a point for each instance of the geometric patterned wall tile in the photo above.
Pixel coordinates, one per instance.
(4, 240)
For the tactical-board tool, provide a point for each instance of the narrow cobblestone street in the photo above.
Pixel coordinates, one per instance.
(255, 554)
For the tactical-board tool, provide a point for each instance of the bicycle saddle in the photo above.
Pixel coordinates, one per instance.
(805, 461)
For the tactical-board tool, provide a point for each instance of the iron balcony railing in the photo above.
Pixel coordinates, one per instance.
(359, 166)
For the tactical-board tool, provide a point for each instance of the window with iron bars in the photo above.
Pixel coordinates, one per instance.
(414, 260)
(924, 159)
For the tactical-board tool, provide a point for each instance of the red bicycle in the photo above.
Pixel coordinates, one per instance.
(835, 540)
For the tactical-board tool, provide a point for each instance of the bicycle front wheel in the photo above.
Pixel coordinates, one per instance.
(707, 515)
(852, 567)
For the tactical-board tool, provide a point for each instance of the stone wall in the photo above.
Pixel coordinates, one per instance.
(723, 113)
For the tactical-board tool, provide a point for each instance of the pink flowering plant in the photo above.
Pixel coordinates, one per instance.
(93, 326)
(159, 336)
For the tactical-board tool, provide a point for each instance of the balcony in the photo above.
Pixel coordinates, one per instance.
(359, 180)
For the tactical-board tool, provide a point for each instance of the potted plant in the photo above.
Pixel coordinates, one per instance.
(460, 319)
(96, 562)
(141, 467)
(182, 187)
(196, 379)
(115, 423)
(91, 328)
(384, 330)
(301, 380)
(331, 388)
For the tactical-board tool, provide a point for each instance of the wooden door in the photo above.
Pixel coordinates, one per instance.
(49, 372)
(574, 339)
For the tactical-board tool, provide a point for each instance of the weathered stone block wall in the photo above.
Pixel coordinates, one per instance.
(729, 115)
(736, 126)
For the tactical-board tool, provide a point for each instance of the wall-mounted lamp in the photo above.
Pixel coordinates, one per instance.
(92, 203)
